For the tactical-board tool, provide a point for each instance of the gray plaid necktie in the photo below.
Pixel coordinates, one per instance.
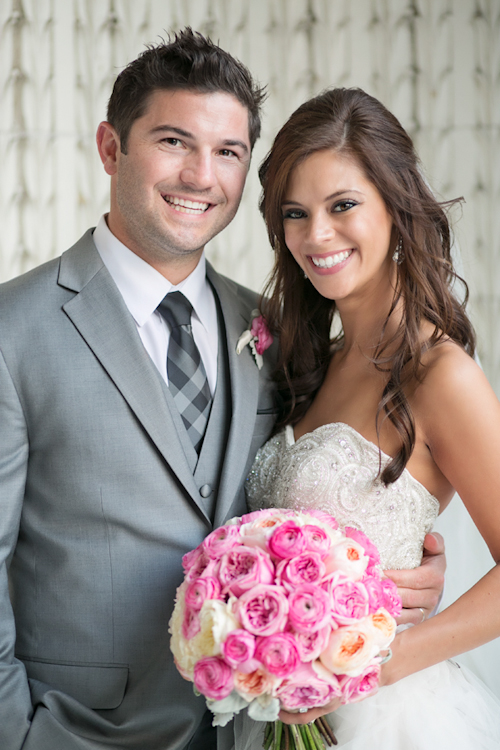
(187, 378)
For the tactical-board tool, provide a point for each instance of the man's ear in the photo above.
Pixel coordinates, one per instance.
(108, 145)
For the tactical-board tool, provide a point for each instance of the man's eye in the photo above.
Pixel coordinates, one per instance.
(293, 213)
(344, 205)
(228, 152)
(173, 141)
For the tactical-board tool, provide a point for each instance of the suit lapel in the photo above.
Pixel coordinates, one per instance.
(103, 320)
(244, 382)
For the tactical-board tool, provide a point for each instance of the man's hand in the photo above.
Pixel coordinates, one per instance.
(420, 589)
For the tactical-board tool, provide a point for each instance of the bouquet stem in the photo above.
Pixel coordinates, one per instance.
(315, 736)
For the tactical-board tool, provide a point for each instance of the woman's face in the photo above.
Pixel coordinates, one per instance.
(337, 227)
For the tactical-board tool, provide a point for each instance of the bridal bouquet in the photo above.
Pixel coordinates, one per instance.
(282, 609)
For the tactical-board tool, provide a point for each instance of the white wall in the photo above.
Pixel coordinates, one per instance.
(435, 63)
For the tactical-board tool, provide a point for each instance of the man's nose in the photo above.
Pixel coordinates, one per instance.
(198, 171)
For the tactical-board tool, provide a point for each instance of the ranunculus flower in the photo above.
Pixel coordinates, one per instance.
(349, 602)
(358, 688)
(384, 627)
(221, 540)
(392, 601)
(250, 685)
(242, 568)
(350, 649)
(260, 330)
(287, 541)
(349, 557)
(278, 653)
(213, 677)
(366, 543)
(305, 568)
(306, 689)
(263, 610)
(201, 589)
(310, 645)
(309, 608)
(191, 624)
(317, 540)
(238, 647)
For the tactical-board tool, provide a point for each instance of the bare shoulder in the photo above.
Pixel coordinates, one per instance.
(453, 387)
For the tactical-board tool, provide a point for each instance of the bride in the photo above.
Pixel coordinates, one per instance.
(382, 425)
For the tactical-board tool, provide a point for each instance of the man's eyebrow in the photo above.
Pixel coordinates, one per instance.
(186, 134)
(172, 129)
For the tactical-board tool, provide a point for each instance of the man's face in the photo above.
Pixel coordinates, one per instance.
(181, 180)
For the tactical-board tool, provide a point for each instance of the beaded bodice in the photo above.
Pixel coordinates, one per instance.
(335, 469)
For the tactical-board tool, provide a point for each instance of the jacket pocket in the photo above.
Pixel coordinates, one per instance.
(96, 686)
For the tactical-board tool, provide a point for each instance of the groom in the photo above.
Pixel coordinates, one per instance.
(128, 421)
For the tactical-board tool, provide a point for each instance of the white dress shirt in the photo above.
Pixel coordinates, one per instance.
(143, 288)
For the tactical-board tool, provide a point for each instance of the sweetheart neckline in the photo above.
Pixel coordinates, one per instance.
(291, 442)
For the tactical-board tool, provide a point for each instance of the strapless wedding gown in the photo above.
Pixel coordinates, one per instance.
(335, 469)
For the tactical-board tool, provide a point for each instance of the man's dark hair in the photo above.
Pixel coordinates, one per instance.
(189, 61)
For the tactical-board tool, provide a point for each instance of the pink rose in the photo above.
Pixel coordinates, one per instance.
(278, 653)
(365, 542)
(317, 540)
(195, 562)
(213, 678)
(375, 591)
(392, 601)
(239, 647)
(326, 518)
(349, 602)
(358, 688)
(309, 608)
(348, 557)
(260, 330)
(201, 589)
(305, 568)
(221, 540)
(242, 568)
(263, 610)
(350, 649)
(310, 645)
(305, 689)
(287, 541)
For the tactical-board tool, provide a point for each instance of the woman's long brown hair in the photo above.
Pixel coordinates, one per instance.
(355, 124)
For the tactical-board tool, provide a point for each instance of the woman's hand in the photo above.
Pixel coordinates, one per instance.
(305, 718)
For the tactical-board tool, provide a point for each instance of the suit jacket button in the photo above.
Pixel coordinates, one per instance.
(206, 490)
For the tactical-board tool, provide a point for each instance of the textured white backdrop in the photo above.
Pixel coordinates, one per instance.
(435, 63)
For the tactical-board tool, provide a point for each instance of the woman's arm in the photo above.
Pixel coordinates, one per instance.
(459, 415)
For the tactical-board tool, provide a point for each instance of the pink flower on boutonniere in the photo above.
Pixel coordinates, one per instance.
(257, 336)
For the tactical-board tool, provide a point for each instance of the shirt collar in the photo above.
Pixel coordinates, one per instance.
(142, 286)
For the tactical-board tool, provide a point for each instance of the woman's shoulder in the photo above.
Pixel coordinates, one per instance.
(451, 382)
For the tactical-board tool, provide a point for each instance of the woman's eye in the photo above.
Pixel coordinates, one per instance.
(293, 213)
(344, 205)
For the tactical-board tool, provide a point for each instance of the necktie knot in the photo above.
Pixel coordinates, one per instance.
(176, 309)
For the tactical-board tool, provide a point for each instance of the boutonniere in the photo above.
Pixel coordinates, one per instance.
(257, 336)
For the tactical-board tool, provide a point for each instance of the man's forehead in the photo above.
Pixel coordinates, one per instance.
(191, 110)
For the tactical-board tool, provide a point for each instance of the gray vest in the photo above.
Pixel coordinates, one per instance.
(207, 467)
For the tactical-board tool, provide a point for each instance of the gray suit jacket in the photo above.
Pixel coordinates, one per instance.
(97, 506)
